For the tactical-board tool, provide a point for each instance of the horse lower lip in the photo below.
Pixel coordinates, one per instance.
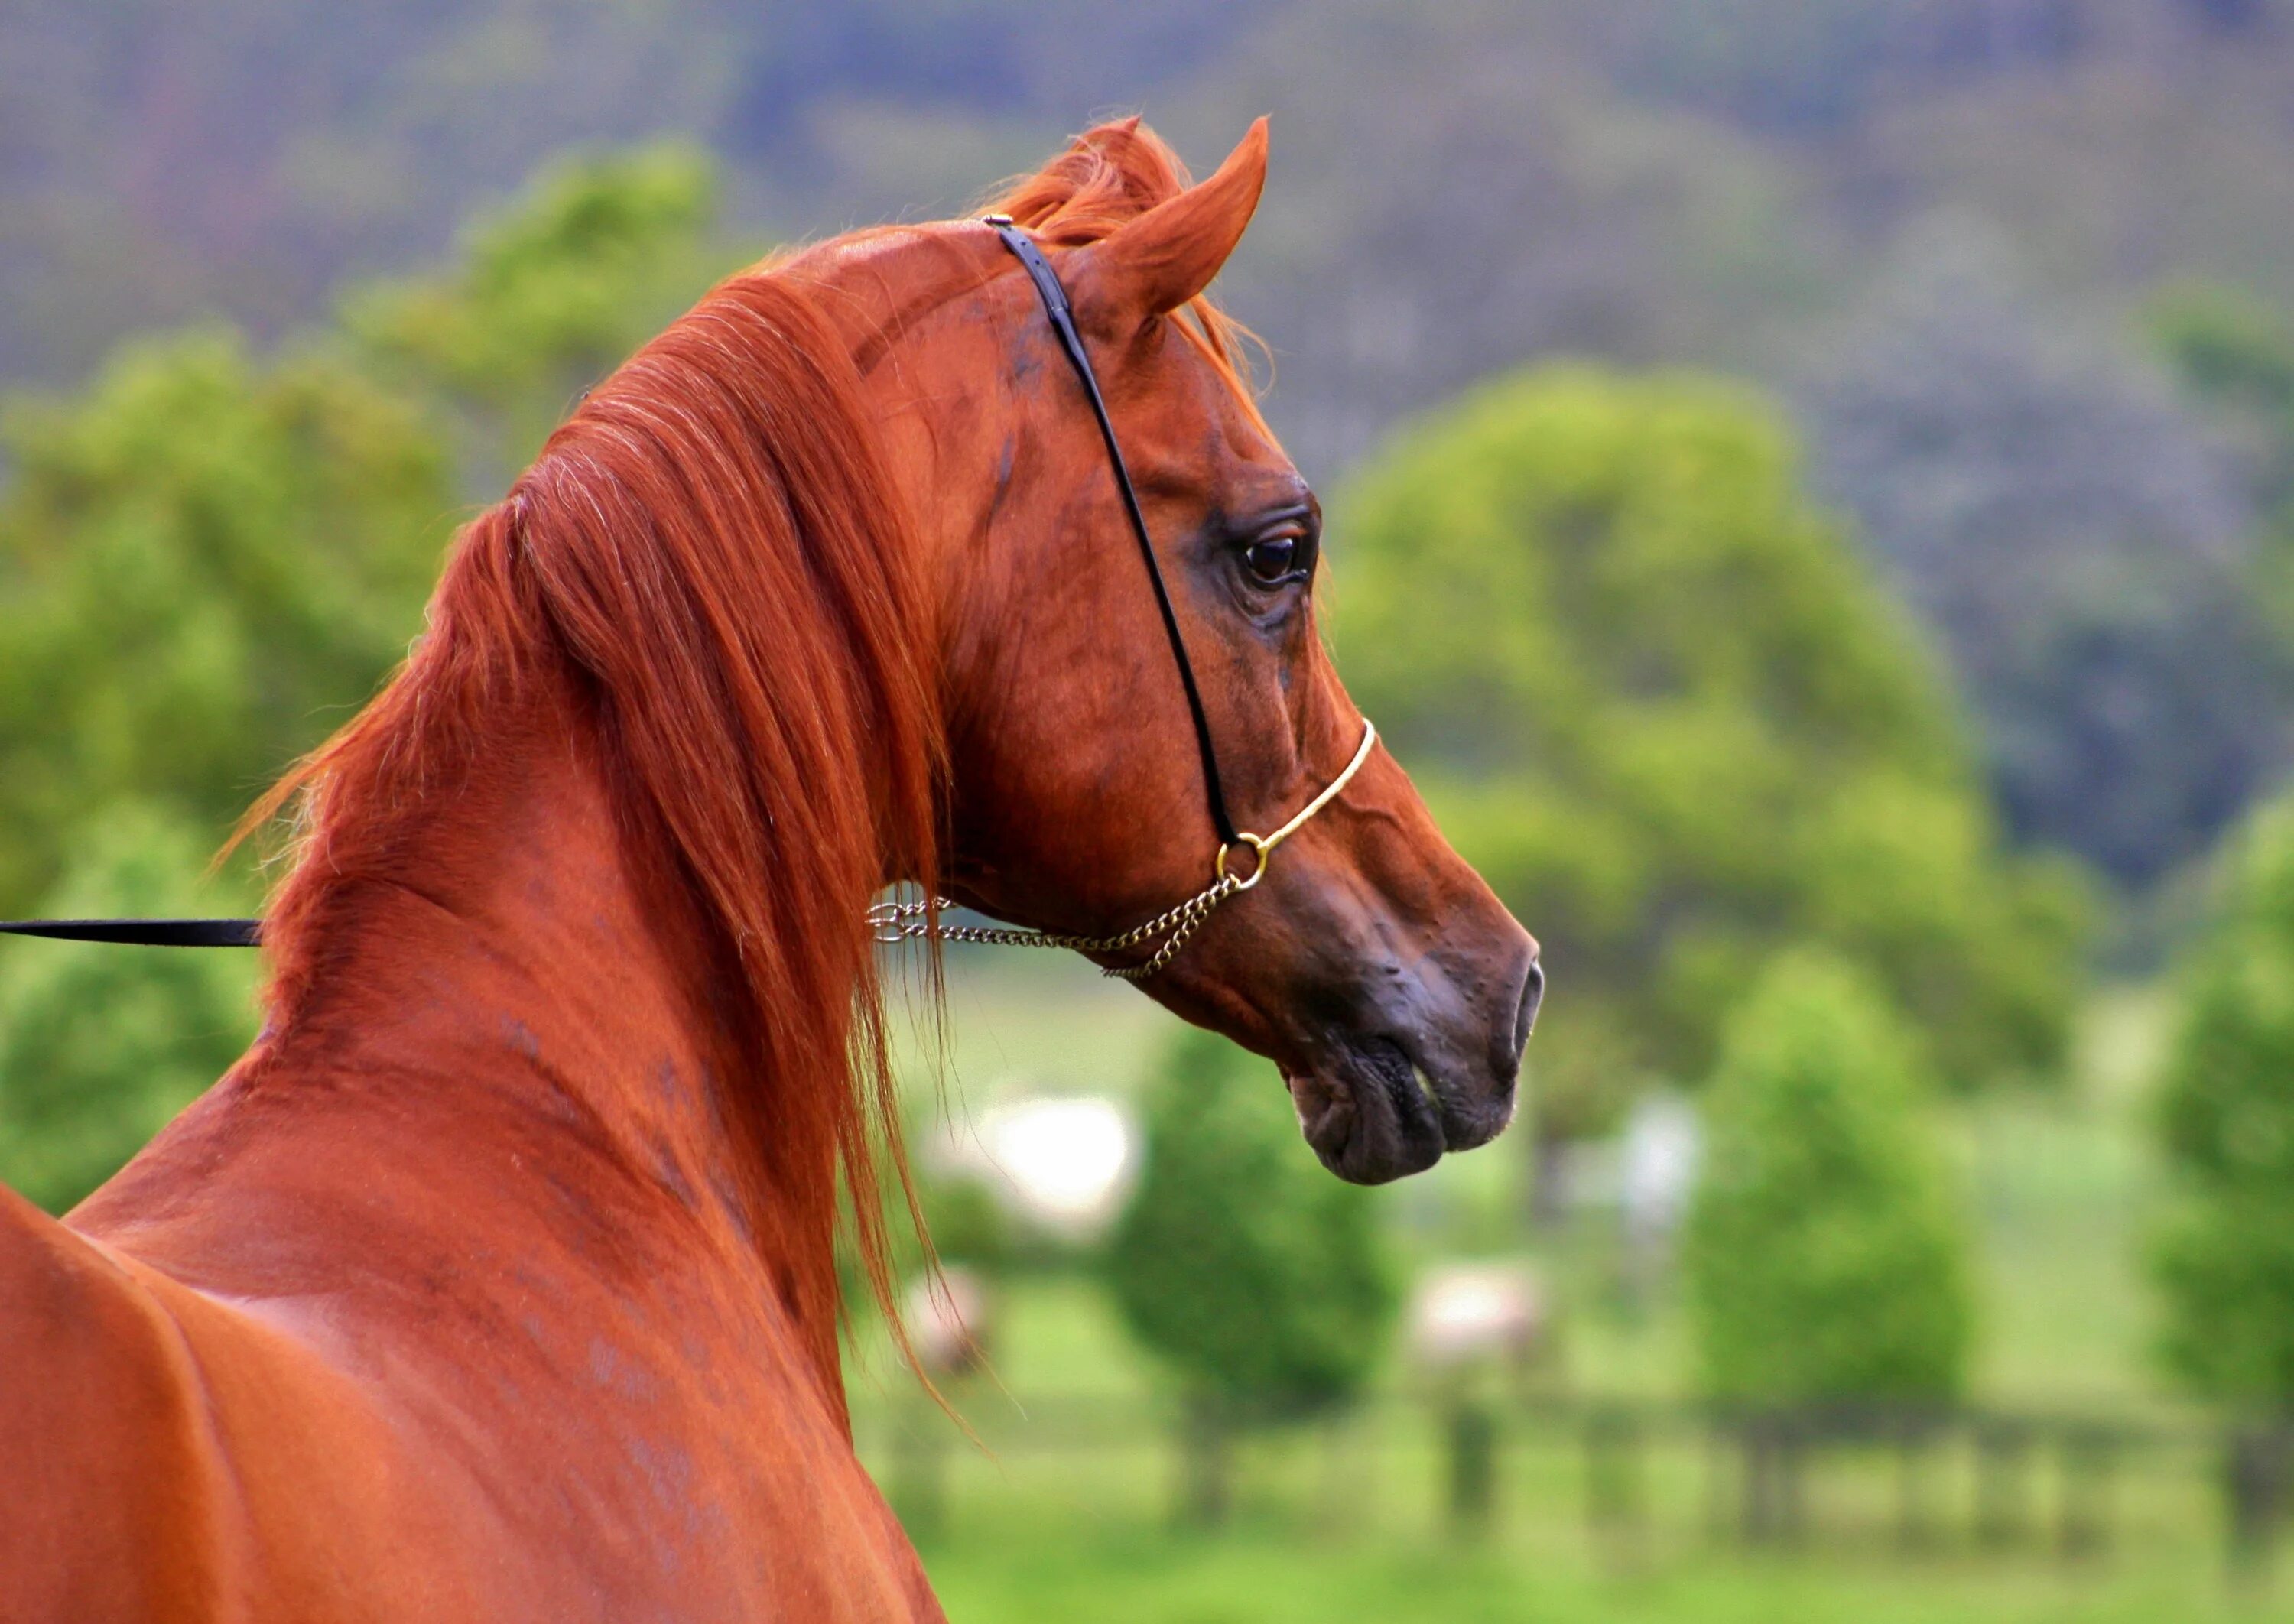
(1464, 1115)
(1369, 1121)
(1326, 1113)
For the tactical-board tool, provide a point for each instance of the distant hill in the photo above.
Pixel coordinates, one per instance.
(1457, 188)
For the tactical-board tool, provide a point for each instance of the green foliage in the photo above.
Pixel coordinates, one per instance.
(204, 561)
(2235, 354)
(2226, 1248)
(100, 1046)
(2072, 537)
(968, 1226)
(552, 294)
(1824, 1256)
(208, 559)
(1258, 1279)
(1650, 693)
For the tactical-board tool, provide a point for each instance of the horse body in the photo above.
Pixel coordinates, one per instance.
(498, 1280)
(454, 1293)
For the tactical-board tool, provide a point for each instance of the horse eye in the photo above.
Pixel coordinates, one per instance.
(1272, 560)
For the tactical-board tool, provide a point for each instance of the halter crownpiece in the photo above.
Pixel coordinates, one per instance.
(900, 922)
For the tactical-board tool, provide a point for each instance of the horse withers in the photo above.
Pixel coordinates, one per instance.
(497, 1281)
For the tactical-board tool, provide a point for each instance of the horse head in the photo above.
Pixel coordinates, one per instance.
(575, 1013)
(1371, 964)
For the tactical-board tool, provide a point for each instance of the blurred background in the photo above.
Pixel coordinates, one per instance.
(1812, 498)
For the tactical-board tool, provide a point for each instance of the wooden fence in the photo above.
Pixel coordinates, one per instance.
(1917, 1480)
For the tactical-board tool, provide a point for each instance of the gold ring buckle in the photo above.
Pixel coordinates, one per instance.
(1258, 868)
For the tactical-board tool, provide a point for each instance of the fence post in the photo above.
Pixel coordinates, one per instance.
(1716, 1478)
(1613, 1471)
(1915, 1454)
(1756, 1497)
(1774, 1511)
(1345, 1476)
(2003, 1470)
(2087, 1455)
(1799, 1439)
(1206, 1462)
(1472, 1430)
(2254, 1483)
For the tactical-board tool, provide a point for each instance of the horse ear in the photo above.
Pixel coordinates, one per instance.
(1158, 262)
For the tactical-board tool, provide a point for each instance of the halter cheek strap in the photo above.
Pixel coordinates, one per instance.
(1055, 295)
(904, 920)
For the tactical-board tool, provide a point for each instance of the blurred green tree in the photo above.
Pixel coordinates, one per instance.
(1649, 692)
(1260, 1282)
(100, 1046)
(206, 560)
(2225, 1248)
(1825, 1259)
(550, 295)
(2072, 536)
(2234, 353)
(968, 1227)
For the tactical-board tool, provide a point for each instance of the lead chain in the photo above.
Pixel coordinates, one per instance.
(903, 922)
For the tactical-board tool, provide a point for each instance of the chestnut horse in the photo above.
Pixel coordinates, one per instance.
(496, 1281)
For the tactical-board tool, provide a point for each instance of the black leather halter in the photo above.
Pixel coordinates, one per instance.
(1062, 315)
(248, 933)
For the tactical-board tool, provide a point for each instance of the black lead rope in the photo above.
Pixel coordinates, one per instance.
(142, 932)
(1056, 307)
(248, 933)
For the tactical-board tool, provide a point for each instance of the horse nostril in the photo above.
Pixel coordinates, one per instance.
(1525, 1018)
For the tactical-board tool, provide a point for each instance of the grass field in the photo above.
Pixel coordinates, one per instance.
(1020, 1576)
(1063, 1511)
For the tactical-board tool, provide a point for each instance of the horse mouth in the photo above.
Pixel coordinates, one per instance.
(1373, 1114)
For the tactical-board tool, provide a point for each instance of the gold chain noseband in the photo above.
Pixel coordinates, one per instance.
(900, 922)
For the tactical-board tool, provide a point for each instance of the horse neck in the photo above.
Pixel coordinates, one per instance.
(520, 951)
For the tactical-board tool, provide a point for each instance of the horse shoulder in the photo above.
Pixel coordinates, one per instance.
(120, 1505)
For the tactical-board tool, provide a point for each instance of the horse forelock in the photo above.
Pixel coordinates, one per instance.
(714, 549)
(1108, 177)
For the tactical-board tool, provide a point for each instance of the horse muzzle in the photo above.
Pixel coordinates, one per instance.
(1434, 1068)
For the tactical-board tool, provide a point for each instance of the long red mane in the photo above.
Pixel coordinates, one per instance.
(711, 551)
